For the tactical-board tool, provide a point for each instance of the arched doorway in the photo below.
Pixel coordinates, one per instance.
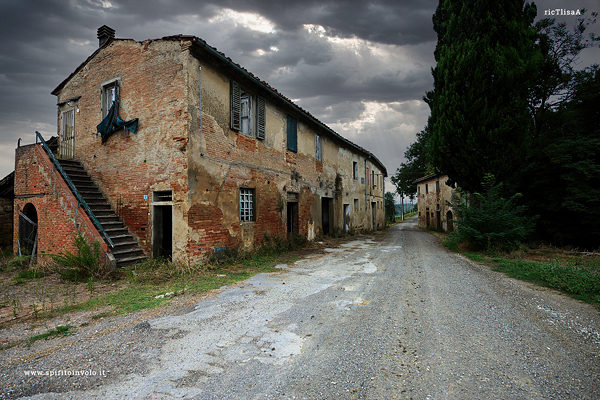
(449, 221)
(28, 222)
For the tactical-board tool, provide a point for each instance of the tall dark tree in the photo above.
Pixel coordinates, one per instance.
(562, 178)
(486, 58)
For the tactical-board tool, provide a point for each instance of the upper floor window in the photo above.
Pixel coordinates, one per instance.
(437, 186)
(247, 114)
(373, 178)
(426, 188)
(110, 93)
(292, 133)
(318, 148)
(355, 170)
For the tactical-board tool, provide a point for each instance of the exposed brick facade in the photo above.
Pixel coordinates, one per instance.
(59, 218)
(180, 90)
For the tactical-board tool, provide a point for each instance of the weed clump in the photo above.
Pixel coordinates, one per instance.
(82, 265)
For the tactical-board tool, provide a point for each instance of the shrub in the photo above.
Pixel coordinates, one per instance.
(84, 264)
(491, 222)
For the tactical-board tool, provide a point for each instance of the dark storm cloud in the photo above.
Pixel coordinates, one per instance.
(339, 59)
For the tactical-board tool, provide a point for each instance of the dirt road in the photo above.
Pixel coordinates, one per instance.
(396, 317)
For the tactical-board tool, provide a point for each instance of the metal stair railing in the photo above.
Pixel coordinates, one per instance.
(80, 199)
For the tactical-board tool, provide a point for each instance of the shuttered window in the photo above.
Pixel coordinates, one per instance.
(261, 116)
(292, 134)
(236, 106)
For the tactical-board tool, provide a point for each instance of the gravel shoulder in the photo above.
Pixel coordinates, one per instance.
(380, 317)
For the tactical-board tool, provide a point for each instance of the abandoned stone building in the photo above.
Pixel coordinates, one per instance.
(167, 147)
(433, 196)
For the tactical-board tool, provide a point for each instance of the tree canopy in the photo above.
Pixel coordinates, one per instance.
(486, 56)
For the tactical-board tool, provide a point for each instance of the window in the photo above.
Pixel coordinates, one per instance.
(67, 134)
(292, 133)
(373, 178)
(356, 204)
(426, 188)
(247, 211)
(437, 186)
(246, 116)
(318, 148)
(355, 170)
(110, 93)
(418, 191)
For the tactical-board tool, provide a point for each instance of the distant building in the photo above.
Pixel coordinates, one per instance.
(433, 196)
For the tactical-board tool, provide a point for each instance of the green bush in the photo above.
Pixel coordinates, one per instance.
(84, 264)
(491, 222)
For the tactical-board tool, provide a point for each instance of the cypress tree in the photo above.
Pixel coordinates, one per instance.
(486, 57)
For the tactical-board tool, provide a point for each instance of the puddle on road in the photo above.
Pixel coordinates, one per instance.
(369, 268)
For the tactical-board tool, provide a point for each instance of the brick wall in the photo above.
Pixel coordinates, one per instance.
(59, 217)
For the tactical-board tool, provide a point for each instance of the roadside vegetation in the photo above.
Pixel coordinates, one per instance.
(493, 230)
(78, 282)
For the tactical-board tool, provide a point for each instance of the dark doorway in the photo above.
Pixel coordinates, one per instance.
(427, 217)
(326, 206)
(449, 221)
(374, 214)
(346, 217)
(438, 216)
(28, 230)
(162, 224)
(292, 217)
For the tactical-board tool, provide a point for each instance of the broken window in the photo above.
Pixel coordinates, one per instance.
(247, 117)
(111, 119)
(292, 133)
(247, 203)
(355, 170)
(110, 93)
(318, 148)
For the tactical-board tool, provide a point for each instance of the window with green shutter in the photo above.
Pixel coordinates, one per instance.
(292, 134)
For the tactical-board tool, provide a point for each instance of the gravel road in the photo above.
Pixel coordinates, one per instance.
(392, 316)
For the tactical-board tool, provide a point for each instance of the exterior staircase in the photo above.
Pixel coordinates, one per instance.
(126, 249)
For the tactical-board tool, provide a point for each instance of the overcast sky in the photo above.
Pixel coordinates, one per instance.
(361, 67)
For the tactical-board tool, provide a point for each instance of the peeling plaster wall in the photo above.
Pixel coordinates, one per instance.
(185, 144)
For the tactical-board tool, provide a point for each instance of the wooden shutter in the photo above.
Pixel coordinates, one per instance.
(236, 106)
(261, 113)
(292, 133)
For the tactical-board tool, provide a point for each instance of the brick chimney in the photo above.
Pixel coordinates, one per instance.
(105, 33)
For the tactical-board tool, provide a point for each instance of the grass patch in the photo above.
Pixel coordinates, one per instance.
(575, 280)
(576, 276)
(59, 330)
(156, 277)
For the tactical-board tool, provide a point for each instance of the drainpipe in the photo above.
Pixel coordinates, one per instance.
(200, 107)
